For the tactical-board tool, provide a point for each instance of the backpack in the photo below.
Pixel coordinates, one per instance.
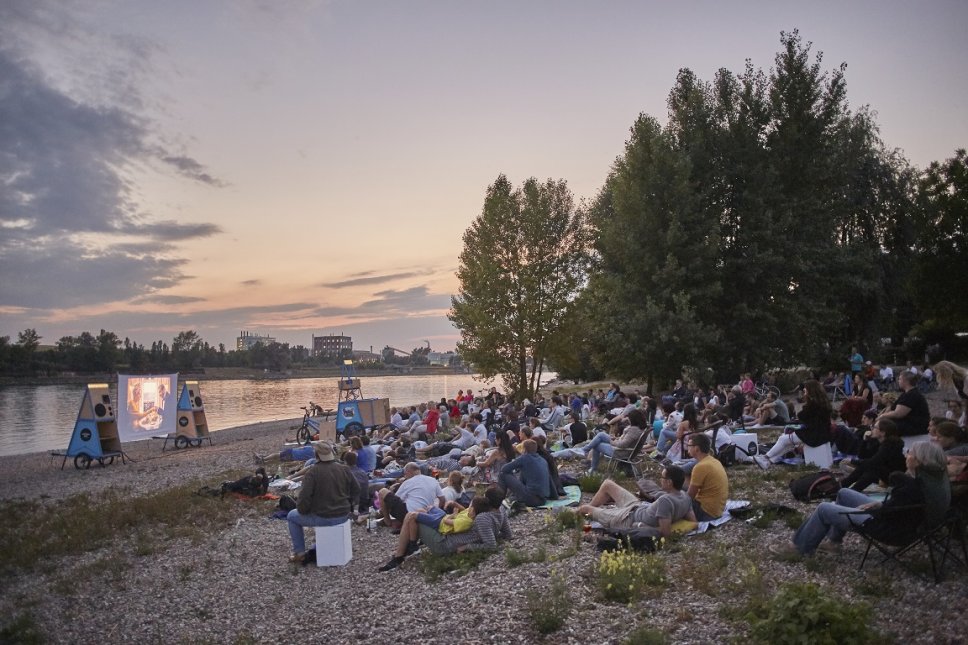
(820, 485)
(727, 455)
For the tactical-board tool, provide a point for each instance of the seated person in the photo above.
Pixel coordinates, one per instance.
(533, 486)
(773, 412)
(631, 512)
(415, 493)
(454, 488)
(888, 458)
(925, 483)
(557, 490)
(708, 485)
(615, 420)
(910, 413)
(350, 459)
(436, 519)
(621, 448)
(813, 427)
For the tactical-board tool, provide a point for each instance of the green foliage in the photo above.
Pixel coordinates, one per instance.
(83, 523)
(569, 519)
(434, 566)
(799, 609)
(548, 608)
(22, 630)
(624, 575)
(590, 482)
(515, 558)
(523, 262)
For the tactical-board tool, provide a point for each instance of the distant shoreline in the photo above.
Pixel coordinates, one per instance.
(232, 374)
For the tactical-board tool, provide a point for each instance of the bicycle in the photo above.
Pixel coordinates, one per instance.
(309, 427)
(764, 389)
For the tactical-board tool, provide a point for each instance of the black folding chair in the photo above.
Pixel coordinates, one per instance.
(893, 546)
(633, 461)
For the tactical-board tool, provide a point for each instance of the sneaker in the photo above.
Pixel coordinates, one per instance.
(412, 547)
(392, 564)
(762, 461)
(828, 546)
(297, 558)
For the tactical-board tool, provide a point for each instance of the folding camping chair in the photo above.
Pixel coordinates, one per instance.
(633, 461)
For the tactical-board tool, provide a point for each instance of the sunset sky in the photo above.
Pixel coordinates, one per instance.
(295, 168)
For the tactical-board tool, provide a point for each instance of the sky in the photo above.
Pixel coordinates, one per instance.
(298, 168)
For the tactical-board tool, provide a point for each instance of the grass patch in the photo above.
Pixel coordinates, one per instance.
(84, 523)
(515, 558)
(590, 482)
(569, 519)
(23, 630)
(548, 608)
(875, 585)
(435, 566)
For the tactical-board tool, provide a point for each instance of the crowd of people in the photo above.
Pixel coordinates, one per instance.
(449, 474)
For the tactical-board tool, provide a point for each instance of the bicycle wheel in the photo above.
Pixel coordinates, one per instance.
(304, 435)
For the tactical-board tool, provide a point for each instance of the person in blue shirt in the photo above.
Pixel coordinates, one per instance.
(856, 361)
(533, 486)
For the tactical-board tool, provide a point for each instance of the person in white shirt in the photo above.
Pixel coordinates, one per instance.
(416, 493)
(480, 430)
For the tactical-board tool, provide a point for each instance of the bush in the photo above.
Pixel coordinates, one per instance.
(624, 575)
(803, 608)
(434, 566)
(549, 608)
(569, 519)
(591, 482)
(646, 636)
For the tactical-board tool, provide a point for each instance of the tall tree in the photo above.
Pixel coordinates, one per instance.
(523, 262)
(655, 271)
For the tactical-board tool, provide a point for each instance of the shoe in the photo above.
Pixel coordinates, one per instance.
(762, 461)
(828, 546)
(412, 547)
(785, 550)
(392, 564)
(297, 558)
(395, 532)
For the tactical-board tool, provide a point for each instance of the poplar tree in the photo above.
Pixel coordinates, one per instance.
(523, 262)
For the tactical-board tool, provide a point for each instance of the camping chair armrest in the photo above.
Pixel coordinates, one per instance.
(891, 510)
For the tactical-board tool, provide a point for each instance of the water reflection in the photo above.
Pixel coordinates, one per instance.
(40, 418)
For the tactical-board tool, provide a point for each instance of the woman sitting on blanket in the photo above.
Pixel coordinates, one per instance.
(924, 487)
(498, 456)
(813, 429)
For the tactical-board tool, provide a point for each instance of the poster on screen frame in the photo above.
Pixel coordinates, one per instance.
(148, 406)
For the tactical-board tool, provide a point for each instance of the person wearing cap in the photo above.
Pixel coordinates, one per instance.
(327, 497)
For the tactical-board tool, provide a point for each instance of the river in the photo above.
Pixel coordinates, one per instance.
(40, 418)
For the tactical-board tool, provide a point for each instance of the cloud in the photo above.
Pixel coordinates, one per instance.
(369, 279)
(67, 205)
(190, 168)
(162, 299)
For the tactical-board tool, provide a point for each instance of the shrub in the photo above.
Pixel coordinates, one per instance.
(625, 575)
(434, 566)
(568, 519)
(803, 608)
(646, 636)
(590, 482)
(549, 607)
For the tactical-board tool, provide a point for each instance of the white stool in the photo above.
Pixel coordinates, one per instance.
(748, 442)
(910, 441)
(821, 456)
(334, 545)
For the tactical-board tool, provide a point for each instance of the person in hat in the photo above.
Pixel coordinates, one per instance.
(327, 497)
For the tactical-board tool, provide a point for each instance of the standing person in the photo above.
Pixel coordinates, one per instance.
(856, 361)
(911, 412)
(328, 495)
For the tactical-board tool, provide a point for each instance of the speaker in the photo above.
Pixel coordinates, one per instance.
(101, 402)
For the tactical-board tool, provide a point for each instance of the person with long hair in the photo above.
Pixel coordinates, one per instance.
(501, 455)
(813, 427)
(952, 377)
(888, 458)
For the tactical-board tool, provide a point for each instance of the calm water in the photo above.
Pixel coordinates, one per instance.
(40, 418)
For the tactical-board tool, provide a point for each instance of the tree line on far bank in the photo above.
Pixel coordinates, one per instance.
(765, 225)
(105, 353)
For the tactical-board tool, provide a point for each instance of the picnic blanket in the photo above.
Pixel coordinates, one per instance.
(572, 498)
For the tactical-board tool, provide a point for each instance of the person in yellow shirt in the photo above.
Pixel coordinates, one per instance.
(708, 483)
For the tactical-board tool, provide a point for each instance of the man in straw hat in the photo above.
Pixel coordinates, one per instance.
(328, 494)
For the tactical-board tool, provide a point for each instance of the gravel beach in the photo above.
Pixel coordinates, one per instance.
(236, 585)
